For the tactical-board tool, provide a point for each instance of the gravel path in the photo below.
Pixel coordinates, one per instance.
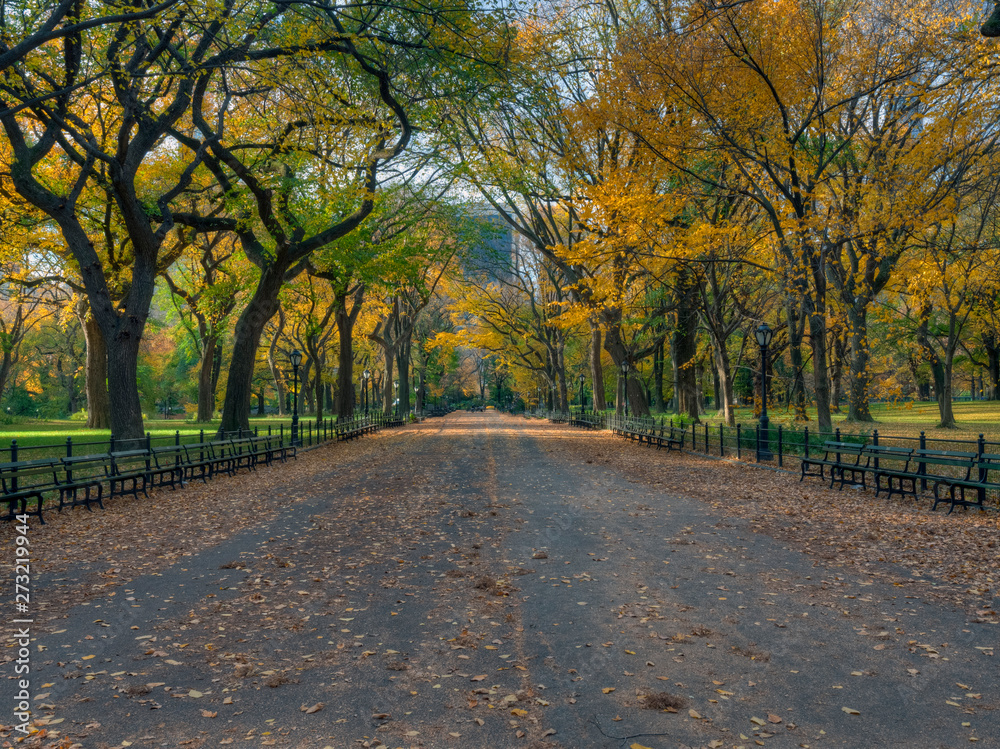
(486, 581)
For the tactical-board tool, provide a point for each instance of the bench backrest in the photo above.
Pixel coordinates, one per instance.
(988, 467)
(87, 466)
(28, 474)
(855, 449)
(894, 455)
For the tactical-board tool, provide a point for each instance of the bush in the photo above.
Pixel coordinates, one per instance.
(80, 415)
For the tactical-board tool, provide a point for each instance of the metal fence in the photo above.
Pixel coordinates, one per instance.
(788, 446)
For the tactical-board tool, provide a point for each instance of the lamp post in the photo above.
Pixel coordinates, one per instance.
(296, 359)
(582, 378)
(624, 369)
(366, 375)
(416, 396)
(764, 335)
(395, 392)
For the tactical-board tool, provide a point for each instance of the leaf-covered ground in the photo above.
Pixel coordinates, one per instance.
(485, 581)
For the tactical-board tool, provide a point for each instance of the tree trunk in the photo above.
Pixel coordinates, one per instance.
(345, 372)
(686, 347)
(596, 368)
(796, 323)
(306, 387)
(260, 403)
(839, 348)
(123, 390)
(857, 407)
(991, 342)
(821, 380)
(98, 403)
(206, 393)
(403, 364)
(614, 345)
(724, 372)
(249, 328)
(658, 375)
(272, 364)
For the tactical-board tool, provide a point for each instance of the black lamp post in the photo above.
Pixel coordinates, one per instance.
(395, 403)
(624, 368)
(296, 359)
(366, 375)
(582, 378)
(764, 335)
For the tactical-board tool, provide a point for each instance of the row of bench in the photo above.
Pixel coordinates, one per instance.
(81, 480)
(965, 476)
(650, 433)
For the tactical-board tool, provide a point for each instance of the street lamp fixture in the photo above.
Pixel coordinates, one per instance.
(366, 375)
(582, 379)
(296, 359)
(764, 335)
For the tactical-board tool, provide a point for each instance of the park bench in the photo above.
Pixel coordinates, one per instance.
(893, 465)
(671, 437)
(125, 470)
(585, 421)
(842, 458)
(278, 449)
(167, 465)
(241, 453)
(200, 461)
(985, 465)
(25, 480)
(84, 473)
(348, 430)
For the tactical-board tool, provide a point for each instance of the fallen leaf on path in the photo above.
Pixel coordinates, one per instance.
(608, 690)
(850, 711)
(310, 710)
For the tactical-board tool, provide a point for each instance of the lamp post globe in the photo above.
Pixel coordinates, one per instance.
(764, 334)
(296, 359)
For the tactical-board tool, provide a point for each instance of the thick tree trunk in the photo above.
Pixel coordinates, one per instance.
(596, 369)
(123, 390)
(249, 327)
(98, 404)
(857, 408)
